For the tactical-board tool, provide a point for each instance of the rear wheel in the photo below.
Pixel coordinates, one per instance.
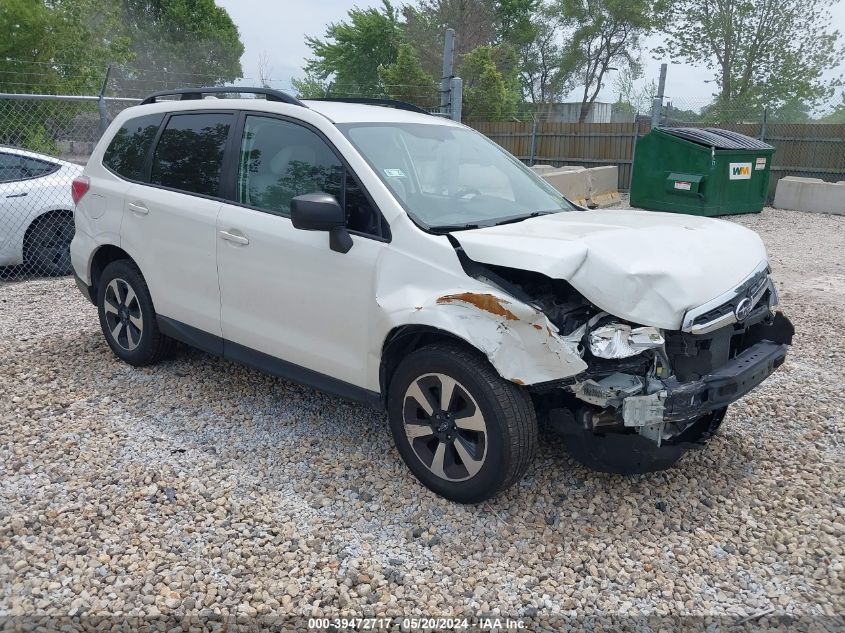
(47, 245)
(127, 316)
(465, 432)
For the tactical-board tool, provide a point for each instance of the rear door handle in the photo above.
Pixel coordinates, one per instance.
(138, 209)
(234, 237)
(18, 195)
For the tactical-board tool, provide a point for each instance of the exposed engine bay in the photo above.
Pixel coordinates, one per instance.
(648, 394)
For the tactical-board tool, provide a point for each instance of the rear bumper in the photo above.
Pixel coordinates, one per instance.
(728, 383)
(85, 289)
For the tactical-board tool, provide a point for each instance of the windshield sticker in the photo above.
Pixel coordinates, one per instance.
(394, 173)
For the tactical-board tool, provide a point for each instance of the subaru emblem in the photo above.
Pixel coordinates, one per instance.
(743, 309)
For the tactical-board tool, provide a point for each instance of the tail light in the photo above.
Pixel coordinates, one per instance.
(79, 187)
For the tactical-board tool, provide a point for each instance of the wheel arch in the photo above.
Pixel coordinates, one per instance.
(406, 339)
(517, 339)
(37, 221)
(102, 257)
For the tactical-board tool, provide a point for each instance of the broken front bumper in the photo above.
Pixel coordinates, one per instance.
(677, 416)
(728, 383)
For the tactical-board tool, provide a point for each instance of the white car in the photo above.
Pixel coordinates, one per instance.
(405, 260)
(36, 211)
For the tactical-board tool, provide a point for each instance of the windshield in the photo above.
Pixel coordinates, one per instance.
(452, 178)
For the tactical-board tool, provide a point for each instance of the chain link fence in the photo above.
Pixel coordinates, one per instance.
(45, 140)
(44, 144)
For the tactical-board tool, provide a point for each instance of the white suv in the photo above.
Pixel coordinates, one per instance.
(398, 258)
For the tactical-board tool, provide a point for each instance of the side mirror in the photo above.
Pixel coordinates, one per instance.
(321, 212)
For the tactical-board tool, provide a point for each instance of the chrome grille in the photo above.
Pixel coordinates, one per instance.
(721, 311)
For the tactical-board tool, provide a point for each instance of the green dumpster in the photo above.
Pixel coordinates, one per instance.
(700, 171)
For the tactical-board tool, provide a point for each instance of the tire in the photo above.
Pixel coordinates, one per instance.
(127, 316)
(450, 449)
(47, 245)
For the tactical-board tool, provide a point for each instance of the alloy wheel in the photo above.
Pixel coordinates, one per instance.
(123, 314)
(445, 427)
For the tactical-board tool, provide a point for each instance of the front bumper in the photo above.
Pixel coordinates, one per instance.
(658, 428)
(728, 383)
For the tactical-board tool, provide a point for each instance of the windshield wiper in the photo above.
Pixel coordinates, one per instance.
(520, 218)
(448, 228)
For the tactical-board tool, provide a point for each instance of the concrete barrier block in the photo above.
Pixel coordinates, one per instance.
(543, 169)
(603, 185)
(573, 182)
(810, 194)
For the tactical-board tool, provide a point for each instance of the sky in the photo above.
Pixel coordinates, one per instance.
(278, 29)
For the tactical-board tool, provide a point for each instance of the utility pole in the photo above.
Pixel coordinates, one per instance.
(456, 89)
(657, 103)
(448, 72)
(101, 104)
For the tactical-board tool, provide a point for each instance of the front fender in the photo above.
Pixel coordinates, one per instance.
(520, 342)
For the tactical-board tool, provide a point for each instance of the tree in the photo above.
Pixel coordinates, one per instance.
(515, 20)
(633, 99)
(489, 95)
(793, 110)
(474, 22)
(764, 52)
(546, 67)
(406, 80)
(838, 114)
(265, 69)
(310, 87)
(64, 45)
(606, 35)
(351, 53)
(180, 42)
(58, 47)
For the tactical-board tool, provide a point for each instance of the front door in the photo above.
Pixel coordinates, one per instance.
(284, 293)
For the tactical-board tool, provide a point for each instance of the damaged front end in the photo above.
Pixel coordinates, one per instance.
(648, 395)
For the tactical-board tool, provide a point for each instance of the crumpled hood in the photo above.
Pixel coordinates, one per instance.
(646, 267)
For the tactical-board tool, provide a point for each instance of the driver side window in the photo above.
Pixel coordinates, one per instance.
(280, 160)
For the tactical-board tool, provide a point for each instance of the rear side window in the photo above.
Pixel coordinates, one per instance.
(127, 152)
(15, 167)
(189, 155)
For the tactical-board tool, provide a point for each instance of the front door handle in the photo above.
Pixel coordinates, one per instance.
(234, 237)
(17, 195)
(138, 209)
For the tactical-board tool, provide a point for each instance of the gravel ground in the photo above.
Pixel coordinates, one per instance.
(200, 486)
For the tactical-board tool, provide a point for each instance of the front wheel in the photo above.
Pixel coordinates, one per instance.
(465, 432)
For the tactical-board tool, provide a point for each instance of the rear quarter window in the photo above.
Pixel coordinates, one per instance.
(128, 149)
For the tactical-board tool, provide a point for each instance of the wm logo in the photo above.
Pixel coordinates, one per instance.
(740, 171)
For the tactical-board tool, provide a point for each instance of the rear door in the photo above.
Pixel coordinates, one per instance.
(169, 225)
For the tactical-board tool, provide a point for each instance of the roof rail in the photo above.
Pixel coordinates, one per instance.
(390, 103)
(187, 94)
